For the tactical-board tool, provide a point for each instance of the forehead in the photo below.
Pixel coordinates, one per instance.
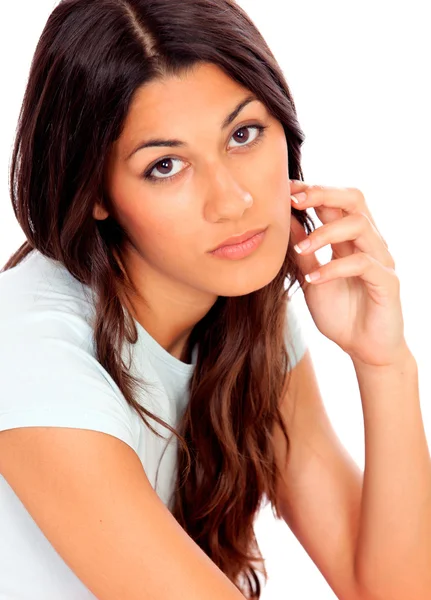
(206, 90)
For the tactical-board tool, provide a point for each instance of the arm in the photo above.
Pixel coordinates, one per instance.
(88, 493)
(394, 544)
(369, 534)
(321, 485)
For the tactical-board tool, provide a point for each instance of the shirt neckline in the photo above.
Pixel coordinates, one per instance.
(159, 352)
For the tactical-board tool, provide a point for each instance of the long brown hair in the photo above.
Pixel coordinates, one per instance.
(90, 60)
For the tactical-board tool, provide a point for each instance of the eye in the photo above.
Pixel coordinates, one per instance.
(166, 163)
(259, 129)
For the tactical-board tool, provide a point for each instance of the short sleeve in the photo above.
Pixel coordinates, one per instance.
(49, 377)
(296, 343)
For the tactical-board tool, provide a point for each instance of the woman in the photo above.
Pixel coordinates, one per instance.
(119, 321)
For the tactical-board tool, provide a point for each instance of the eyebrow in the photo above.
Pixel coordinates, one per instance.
(180, 144)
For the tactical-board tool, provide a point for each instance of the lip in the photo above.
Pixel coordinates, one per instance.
(238, 239)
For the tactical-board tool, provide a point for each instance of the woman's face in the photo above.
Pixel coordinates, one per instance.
(200, 194)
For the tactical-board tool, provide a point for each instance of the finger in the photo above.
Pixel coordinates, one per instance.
(325, 212)
(326, 201)
(375, 275)
(306, 263)
(297, 185)
(356, 228)
(328, 215)
(349, 200)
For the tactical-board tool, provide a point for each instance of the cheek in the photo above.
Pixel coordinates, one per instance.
(276, 187)
(156, 233)
(149, 229)
(145, 216)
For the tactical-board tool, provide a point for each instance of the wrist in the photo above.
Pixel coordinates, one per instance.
(403, 360)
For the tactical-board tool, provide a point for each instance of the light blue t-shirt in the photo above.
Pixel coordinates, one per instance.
(49, 376)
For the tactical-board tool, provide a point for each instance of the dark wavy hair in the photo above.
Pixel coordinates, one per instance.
(91, 58)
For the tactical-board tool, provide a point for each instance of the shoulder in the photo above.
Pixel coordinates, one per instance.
(41, 287)
(43, 312)
(49, 373)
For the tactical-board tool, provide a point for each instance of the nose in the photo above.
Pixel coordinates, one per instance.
(226, 197)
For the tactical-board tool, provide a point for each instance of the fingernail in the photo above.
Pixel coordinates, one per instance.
(300, 197)
(312, 276)
(302, 246)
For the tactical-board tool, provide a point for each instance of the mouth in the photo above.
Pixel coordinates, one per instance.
(238, 239)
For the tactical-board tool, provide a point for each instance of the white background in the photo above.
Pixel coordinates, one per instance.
(360, 78)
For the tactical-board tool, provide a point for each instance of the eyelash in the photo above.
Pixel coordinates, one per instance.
(147, 175)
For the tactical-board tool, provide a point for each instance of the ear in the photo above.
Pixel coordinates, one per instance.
(99, 212)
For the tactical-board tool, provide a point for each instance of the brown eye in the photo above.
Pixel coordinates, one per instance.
(243, 137)
(165, 165)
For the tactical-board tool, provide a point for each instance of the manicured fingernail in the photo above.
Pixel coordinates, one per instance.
(312, 276)
(302, 246)
(300, 197)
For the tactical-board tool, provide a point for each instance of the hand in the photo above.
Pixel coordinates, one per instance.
(356, 302)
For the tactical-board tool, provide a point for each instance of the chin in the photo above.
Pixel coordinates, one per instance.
(247, 276)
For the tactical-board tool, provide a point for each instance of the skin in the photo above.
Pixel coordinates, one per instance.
(173, 225)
